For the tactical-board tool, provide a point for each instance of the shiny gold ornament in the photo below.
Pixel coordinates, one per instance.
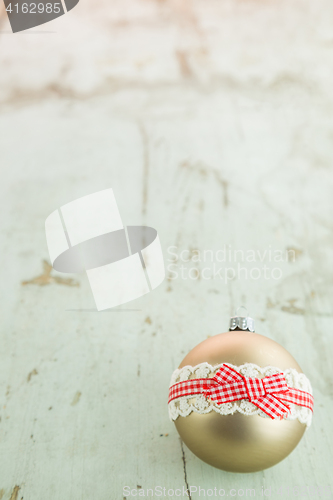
(238, 442)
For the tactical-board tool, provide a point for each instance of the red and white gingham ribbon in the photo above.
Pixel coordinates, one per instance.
(228, 385)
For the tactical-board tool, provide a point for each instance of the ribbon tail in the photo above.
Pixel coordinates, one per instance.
(298, 397)
(272, 406)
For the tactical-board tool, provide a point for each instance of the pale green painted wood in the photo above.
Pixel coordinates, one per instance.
(212, 122)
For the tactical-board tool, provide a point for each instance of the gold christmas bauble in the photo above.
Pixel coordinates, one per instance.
(238, 442)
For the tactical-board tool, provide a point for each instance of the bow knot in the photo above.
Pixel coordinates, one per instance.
(264, 393)
(255, 388)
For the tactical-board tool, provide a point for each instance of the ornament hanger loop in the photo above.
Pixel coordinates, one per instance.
(238, 315)
(244, 323)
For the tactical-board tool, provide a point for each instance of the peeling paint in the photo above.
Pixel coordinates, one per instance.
(14, 494)
(184, 65)
(46, 279)
(292, 309)
(76, 398)
(293, 253)
(31, 374)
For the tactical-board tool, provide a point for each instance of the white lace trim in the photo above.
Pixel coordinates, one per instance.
(183, 406)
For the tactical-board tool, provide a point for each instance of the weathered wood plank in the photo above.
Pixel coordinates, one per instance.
(212, 123)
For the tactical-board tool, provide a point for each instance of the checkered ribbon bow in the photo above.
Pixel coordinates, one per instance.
(228, 385)
(264, 393)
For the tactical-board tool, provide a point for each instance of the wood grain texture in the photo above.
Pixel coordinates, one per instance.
(212, 122)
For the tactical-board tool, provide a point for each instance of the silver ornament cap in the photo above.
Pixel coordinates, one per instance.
(239, 322)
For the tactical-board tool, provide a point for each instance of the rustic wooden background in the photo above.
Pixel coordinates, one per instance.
(212, 121)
